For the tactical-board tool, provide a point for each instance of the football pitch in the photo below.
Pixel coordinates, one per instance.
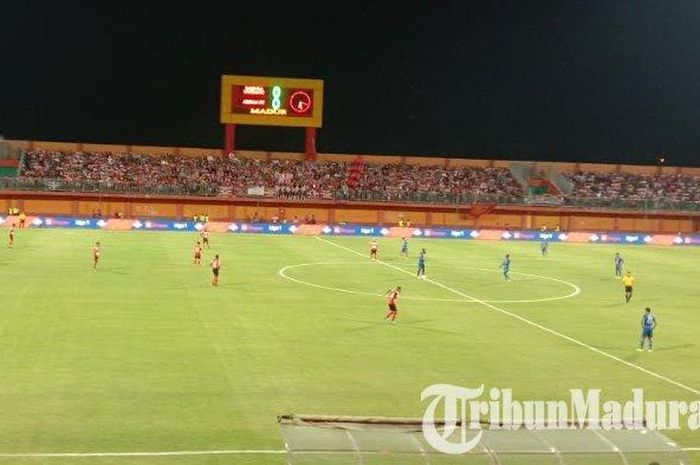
(145, 356)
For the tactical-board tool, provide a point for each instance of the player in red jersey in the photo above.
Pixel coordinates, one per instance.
(95, 255)
(11, 236)
(373, 247)
(197, 254)
(392, 302)
(215, 268)
(205, 238)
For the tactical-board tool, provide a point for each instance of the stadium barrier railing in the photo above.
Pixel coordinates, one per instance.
(100, 187)
(108, 187)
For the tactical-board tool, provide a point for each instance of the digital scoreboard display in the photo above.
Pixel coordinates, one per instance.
(271, 101)
(275, 100)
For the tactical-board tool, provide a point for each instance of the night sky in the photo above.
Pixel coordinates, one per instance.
(594, 80)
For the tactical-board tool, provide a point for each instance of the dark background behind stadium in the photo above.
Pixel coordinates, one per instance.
(597, 80)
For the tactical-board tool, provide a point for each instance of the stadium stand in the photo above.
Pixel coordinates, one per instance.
(185, 175)
(355, 180)
(9, 159)
(629, 186)
(275, 178)
(435, 184)
(357, 168)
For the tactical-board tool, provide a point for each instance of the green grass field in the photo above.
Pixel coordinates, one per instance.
(145, 355)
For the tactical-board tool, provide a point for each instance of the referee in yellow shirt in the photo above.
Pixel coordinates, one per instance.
(628, 282)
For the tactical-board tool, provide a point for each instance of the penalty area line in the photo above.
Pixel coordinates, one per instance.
(529, 322)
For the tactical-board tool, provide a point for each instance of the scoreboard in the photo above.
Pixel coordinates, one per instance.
(271, 101)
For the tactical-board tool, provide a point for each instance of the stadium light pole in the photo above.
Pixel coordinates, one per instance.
(660, 161)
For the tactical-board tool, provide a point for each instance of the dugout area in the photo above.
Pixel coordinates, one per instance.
(344, 440)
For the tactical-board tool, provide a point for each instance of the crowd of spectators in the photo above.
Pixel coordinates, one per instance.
(399, 182)
(270, 178)
(634, 187)
(293, 179)
(212, 175)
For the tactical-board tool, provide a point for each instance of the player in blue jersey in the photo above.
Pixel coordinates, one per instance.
(505, 266)
(404, 248)
(619, 264)
(544, 246)
(648, 326)
(421, 265)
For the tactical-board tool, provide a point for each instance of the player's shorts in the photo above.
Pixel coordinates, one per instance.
(392, 307)
(421, 268)
(648, 332)
(404, 249)
(628, 288)
(215, 271)
(205, 240)
(198, 256)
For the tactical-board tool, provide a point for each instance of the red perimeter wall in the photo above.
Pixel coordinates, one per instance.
(568, 219)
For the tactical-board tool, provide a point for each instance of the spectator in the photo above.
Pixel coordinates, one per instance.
(628, 186)
(297, 180)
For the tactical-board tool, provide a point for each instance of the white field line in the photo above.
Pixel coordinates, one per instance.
(532, 323)
(576, 290)
(145, 454)
(175, 453)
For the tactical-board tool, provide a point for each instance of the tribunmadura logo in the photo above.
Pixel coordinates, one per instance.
(468, 411)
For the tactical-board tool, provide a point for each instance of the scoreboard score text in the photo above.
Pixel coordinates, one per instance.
(271, 101)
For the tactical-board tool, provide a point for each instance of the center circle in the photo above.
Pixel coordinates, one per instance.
(575, 290)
